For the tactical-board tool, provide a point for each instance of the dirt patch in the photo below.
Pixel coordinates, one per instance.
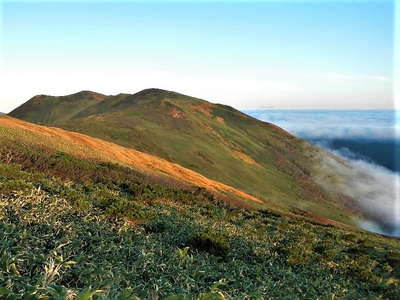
(176, 114)
(204, 108)
(220, 120)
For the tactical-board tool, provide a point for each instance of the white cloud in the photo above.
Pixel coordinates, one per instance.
(357, 77)
(374, 189)
(382, 125)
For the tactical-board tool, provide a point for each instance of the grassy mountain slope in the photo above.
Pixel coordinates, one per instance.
(14, 131)
(214, 140)
(47, 109)
(74, 223)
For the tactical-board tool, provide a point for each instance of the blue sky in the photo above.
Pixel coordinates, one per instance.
(281, 54)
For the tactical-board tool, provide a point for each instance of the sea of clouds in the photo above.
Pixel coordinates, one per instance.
(330, 124)
(364, 138)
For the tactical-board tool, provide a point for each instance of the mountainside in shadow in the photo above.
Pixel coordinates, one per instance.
(215, 140)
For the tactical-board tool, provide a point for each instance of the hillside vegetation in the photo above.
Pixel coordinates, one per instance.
(16, 132)
(76, 225)
(44, 109)
(214, 140)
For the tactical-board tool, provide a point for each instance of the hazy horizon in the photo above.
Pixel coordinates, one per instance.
(250, 55)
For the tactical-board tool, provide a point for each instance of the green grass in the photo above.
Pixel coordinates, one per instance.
(73, 228)
(285, 171)
(47, 109)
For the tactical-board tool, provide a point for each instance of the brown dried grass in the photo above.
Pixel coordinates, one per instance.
(94, 148)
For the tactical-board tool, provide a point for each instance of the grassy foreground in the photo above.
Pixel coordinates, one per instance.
(79, 229)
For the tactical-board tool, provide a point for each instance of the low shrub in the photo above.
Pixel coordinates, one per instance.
(214, 243)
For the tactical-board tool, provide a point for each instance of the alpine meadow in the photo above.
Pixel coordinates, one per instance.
(199, 150)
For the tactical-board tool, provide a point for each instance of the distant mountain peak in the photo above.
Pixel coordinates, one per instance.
(38, 97)
(46, 109)
(154, 92)
(87, 94)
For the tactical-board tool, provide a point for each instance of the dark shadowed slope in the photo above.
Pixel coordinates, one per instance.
(215, 140)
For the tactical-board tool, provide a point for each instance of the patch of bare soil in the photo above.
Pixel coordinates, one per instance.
(204, 108)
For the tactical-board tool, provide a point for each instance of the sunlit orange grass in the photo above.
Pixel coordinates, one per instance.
(91, 148)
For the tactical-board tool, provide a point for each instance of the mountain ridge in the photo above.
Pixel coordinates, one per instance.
(214, 140)
(56, 107)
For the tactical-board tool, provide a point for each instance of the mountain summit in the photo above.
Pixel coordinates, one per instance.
(46, 109)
